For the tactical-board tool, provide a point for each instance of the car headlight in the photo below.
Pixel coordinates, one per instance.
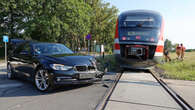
(60, 67)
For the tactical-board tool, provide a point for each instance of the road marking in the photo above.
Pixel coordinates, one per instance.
(10, 85)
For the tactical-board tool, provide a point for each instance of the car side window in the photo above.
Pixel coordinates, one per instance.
(18, 49)
(23, 48)
(26, 48)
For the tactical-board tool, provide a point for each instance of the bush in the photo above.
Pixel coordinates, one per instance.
(2, 52)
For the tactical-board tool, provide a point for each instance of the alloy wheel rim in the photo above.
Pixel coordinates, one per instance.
(41, 80)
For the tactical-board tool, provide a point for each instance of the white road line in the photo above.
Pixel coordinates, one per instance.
(2, 86)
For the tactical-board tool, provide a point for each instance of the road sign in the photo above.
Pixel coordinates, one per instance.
(88, 37)
(102, 48)
(5, 38)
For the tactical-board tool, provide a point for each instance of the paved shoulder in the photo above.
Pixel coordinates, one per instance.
(183, 88)
(2, 64)
(72, 97)
(5, 83)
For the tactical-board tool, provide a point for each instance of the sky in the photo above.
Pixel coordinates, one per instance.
(179, 16)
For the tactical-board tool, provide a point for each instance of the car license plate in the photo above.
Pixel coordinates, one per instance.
(86, 76)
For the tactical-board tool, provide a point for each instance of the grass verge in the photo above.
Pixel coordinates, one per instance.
(182, 70)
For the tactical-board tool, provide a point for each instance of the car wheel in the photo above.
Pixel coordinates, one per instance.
(42, 80)
(10, 73)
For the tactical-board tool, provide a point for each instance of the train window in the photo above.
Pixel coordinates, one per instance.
(139, 21)
(137, 18)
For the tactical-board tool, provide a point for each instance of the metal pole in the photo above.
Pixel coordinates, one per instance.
(94, 50)
(88, 46)
(6, 55)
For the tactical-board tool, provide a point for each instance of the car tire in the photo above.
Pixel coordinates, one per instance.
(10, 72)
(43, 81)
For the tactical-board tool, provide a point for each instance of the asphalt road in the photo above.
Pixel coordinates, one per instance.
(22, 95)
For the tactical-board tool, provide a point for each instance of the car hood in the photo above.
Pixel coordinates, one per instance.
(71, 59)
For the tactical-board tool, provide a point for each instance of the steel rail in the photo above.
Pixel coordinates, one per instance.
(184, 105)
(103, 103)
(172, 93)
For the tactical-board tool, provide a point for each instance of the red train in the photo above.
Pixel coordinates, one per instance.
(138, 39)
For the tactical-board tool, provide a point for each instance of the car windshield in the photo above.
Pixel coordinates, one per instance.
(51, 49)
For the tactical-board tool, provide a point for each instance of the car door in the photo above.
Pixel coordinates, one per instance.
(26, 59)
(15, 60)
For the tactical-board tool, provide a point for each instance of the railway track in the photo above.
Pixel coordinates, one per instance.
(173, 94)
(104, 101)
(179, 100)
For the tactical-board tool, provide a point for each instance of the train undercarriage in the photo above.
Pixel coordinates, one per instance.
(137, 56)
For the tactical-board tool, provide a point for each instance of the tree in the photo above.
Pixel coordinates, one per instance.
(103, 22)
(168, 45)
(64, 21)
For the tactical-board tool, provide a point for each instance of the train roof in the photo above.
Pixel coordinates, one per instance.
(151, 12)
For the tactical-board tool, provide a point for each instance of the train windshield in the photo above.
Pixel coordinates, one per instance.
(139, 28)
(140, 21)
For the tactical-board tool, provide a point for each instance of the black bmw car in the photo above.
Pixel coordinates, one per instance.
(51, 64)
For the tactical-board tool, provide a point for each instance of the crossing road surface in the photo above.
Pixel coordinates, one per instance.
(134, 90)
(140, 91)
(21, 95)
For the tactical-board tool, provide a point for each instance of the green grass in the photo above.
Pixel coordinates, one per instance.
(182, 70)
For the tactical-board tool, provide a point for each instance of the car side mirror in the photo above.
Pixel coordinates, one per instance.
(24, 53)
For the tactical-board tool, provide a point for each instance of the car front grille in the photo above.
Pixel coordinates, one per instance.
(91, 68)
(81, 68)
(84, 68)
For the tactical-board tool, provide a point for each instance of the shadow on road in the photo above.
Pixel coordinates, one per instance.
(28, 89)
(3, 70)
(3, 77)
(2, 73)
